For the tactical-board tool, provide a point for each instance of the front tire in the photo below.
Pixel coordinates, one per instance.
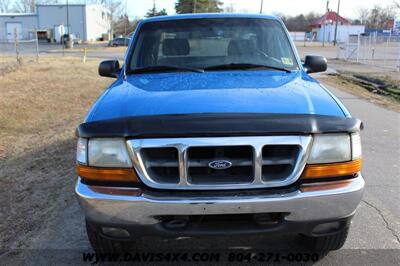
(329, 242)
(101, 244)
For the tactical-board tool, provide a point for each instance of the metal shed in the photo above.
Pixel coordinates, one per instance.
(89, 22)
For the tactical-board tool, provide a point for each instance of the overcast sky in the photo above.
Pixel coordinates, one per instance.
(287, 7)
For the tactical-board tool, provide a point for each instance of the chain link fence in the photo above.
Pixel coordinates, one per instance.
(22, 45)
(19, 43)
(379, 51)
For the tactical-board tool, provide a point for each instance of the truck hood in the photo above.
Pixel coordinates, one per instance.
(215, 92)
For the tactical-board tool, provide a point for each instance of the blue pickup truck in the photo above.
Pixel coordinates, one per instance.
(213, 126)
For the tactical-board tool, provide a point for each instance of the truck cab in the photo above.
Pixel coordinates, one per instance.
(213, 126)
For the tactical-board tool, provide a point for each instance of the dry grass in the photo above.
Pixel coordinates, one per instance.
(51, 94)
(40, 106)
(345, 85)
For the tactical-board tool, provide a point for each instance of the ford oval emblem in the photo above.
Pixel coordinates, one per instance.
(220, 164)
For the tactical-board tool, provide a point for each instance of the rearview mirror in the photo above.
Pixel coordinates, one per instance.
(109, 68)
(315, 63)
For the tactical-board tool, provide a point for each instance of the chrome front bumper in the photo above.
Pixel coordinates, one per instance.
(301, 205)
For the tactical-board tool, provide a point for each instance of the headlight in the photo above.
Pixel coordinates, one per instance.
(108, 153)
(81, 151)
(330, 148)
(356, 151)
(333, 155)
(104, 160)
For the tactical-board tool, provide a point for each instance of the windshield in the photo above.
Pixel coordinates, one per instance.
(206, 43)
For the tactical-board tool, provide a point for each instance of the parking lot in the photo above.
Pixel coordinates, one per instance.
(41, 106)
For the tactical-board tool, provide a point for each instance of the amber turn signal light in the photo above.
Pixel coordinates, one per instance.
(106, 174)
(318, 186)
(313, 171)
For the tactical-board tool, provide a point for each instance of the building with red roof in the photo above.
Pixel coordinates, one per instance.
(323, 28)
(329, 18)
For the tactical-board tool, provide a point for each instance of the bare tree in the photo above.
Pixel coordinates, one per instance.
(396, 4)
(5, 6)
(124, 26)
(300, 22)
(50, 1)
(116, 9)
(25, 6)
(378, 17)
(363, 14)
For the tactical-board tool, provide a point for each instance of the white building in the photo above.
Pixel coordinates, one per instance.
(87, 22)
(396, 25)
(323, 29)
(327, 33)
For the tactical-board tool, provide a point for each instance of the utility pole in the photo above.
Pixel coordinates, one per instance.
(68, 18)
(337, 19)
(323, 23)
(126, 17)
(194, 6)
(261, 7)
(154, 7)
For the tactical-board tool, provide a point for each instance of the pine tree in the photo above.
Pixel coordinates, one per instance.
(153, 12)
(198, 6)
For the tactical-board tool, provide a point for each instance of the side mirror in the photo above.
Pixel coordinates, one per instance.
(109, 68)
(315, 63)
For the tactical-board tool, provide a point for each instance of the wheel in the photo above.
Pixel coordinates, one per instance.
(330, 242)
(101, 244)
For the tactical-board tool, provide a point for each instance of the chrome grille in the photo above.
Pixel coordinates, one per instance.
(241, 171)
(278, 161)
(162, 164)
(183, 163)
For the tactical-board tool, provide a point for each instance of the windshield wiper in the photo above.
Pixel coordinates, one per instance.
(151, 69)
(245, 66)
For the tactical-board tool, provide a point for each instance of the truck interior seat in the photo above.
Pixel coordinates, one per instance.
(175, 47)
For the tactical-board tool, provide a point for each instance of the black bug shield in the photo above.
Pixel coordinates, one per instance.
(218, 124)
